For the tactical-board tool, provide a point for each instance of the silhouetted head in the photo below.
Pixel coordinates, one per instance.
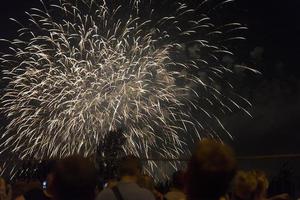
(147, 182)
(178, 180)
(244, 185)
(262, 184)
(130, 166)
(74, 178)
(210, 170)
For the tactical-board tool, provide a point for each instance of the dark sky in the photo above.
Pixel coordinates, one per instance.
(274, 26)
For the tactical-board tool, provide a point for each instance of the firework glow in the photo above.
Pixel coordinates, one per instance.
(84, 68)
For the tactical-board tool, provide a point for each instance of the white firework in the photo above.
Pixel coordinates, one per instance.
(86, 67)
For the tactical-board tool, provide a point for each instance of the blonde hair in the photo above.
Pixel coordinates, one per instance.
(262, 183)
(250, 185)
(244, 185)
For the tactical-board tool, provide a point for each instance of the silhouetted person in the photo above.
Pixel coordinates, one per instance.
(262, 188)
(129, 170)
(177, 190)
(253, 185)
(244, 186)
(74, 179)
(40, 192)
(210, 171)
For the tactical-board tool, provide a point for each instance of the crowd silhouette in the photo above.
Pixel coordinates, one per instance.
(212, 173)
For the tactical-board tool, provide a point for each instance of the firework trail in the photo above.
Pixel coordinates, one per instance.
(84, 68)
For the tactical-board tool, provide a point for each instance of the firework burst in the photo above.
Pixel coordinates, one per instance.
(88, 67)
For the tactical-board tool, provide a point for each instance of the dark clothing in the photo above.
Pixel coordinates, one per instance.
(36, 194)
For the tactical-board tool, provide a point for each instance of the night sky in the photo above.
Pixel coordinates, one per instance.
(274, 29)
